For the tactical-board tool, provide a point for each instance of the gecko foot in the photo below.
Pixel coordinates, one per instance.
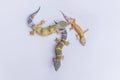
(86, 30)
(31, 32)
(67, 43)
(57, 40)
(71, 28)
(42, 22)
(77, 37)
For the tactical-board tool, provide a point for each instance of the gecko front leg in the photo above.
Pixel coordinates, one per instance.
(71, 28)
(32, 32)
(66, 43)
(59, 31)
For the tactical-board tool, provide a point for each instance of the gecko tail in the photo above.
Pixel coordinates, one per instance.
(31, 17)
(65, 17)
(55, 22)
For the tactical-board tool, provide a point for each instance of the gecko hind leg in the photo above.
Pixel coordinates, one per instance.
(57, 40)
(66, 43)
(32, 32)
(86, 30)
(59, 31)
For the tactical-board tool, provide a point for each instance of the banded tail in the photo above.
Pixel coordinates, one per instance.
(58, 50)
(65, 17)
(31, 17)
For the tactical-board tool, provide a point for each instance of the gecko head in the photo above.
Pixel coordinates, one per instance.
(57, 63)
(71, 20)
(83, 41)
(62, 24)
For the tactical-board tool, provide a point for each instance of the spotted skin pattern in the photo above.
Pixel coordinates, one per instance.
(44, 31)
(77, 28)
(58, 49)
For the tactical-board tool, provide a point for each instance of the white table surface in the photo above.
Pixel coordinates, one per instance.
(25, 57)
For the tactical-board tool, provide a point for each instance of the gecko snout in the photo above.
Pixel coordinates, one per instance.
(83, 41)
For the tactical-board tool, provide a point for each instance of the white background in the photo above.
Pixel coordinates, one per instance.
(25, 57)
